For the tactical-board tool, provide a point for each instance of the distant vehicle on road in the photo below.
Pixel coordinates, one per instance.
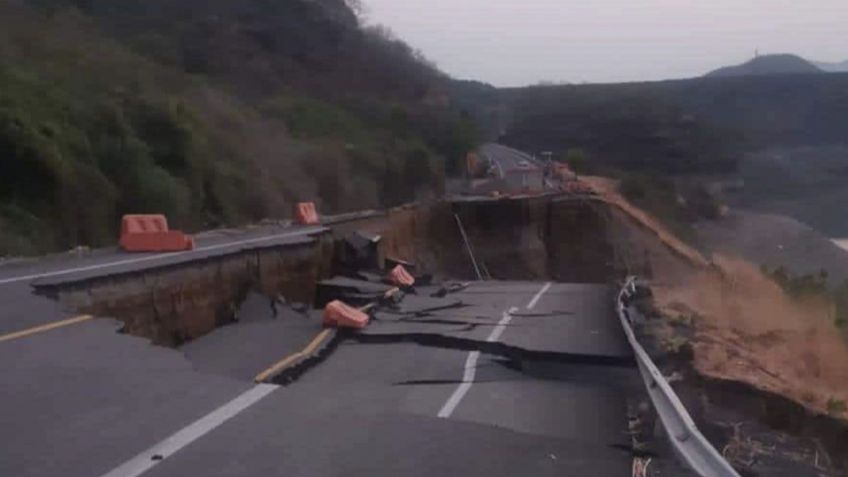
(524, 164)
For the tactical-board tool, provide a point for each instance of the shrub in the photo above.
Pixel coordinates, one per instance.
(704, 204)
(95, 125)
(634, 187)
(811, 284)
(836, 406)
(658, 196)
(22, 233)
(576, 159)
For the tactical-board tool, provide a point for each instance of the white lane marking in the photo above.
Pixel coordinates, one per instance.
(498, 331)
(152, 257)
(464, 386)
(471, 362)
(471, 367)
(185, 436)
(538, 296)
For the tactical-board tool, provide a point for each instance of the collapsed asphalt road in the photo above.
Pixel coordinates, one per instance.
(392, 400)
(20, 308)
(501, 378)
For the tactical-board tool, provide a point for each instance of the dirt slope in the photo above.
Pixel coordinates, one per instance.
(746, 328)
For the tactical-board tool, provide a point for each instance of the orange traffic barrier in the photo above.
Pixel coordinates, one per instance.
(400, 277)
(563, 172)
(472, 164)
(576, 187)
(150, 233)
(340, 315)
(305, 214)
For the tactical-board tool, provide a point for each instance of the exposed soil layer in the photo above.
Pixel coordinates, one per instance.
(757, 371)
(747, 329)
(176, 304)
(748, 355)
(572, 240)
(759, 432)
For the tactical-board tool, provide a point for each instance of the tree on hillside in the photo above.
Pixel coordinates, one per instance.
(576, 159)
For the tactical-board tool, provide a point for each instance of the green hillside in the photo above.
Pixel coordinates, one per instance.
(216, 113)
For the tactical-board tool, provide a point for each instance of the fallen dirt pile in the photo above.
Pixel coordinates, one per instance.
(743, 326)
(747, 329)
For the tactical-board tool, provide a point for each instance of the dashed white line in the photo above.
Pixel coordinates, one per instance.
(151, 257)
(538, 296)
(499, 329)
(185, 436)
(470, 369)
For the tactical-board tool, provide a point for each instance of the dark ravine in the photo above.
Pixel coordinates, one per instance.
(175, 304)
(293, 373)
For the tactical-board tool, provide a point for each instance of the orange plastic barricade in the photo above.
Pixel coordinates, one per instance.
(305, 214)
(577, 187)
(563, 172)
(400, 277)
(149, 233)
(340, 315)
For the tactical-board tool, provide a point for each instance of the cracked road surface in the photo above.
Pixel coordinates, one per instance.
(500, 379)
(20, 308)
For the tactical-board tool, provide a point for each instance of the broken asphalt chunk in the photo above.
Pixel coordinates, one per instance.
(350, 290)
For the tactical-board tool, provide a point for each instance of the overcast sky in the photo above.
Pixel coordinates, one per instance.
(519, 42)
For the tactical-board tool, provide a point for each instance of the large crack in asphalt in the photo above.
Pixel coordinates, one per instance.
(513, 354)
(291, 374)
(492, 348)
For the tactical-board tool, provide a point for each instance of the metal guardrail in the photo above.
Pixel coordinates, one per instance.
(688, 442)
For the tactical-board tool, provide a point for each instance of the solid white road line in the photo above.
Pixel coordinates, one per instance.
(154, 455)
(152, 257)
(471, 362)
(471, 367)
(464, 386)
(538, 296)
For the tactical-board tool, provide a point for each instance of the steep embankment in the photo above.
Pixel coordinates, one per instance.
(211, 112)
(740, 325)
